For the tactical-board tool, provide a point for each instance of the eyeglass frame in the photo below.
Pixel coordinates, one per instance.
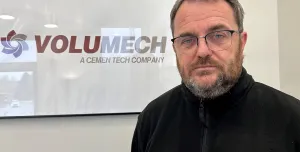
(205, 37)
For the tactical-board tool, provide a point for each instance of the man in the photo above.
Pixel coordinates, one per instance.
(218, 107)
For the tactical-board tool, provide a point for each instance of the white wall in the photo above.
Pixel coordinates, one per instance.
(289, 23)
(262, 50)
(114, 133)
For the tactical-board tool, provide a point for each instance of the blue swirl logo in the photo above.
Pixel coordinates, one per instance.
(11, 49)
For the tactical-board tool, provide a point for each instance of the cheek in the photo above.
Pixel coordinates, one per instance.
(227, 57)
(185, 63)
(224, 60)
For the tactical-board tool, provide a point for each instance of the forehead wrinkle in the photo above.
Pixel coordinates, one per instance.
(190, 17)
(183, 25)
(203, 15)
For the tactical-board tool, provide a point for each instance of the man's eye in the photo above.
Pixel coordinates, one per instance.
(218, 36)
(187, 41)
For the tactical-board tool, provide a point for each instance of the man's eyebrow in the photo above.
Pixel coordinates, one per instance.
(187, 34)
(217, 27)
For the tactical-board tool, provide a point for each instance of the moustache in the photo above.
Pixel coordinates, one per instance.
(207, 62)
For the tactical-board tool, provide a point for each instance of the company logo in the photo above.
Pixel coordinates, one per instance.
(111, 49)
(14, 44)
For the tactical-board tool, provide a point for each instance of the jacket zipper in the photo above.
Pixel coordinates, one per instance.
(204, 129)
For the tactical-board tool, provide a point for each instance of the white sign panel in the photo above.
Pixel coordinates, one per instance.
(115, 71)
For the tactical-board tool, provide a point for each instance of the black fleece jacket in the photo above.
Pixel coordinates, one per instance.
(251, 117)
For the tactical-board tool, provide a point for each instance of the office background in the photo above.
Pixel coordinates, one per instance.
(272, 43)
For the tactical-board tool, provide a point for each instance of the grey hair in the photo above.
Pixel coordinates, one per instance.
(235, 5)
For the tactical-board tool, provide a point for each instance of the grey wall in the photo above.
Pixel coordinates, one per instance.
(73, 134)
(289, 46)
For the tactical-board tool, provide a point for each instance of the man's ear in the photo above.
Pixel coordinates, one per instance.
(244, 37)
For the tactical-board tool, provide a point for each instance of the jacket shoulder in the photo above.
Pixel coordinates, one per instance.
(156, 106)
(289, 107)
(280, 106)
(149, 117)
(271, 94)
(276, 101)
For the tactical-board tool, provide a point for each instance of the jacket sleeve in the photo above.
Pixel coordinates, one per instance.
(295, 126)
(296, 129)
(138, 140)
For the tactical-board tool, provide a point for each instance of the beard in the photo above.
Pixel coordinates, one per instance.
(225, 80)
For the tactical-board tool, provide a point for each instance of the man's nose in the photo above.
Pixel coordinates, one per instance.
(203, 49)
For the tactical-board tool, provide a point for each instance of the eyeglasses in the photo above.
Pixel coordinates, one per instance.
(215, 41)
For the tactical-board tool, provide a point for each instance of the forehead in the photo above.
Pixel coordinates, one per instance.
(200, 16)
